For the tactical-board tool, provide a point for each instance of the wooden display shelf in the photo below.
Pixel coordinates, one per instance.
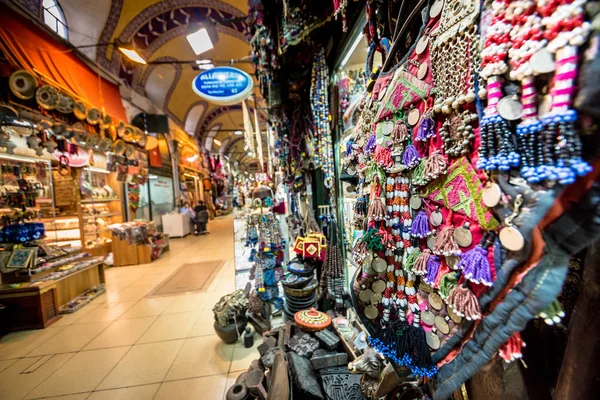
(31, 306)
(90, 201)
(127, 254)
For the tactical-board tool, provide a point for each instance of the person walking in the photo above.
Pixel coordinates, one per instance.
(201, 219)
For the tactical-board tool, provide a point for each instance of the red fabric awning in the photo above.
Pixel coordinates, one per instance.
(33, 49)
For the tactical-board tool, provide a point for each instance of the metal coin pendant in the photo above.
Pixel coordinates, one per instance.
(377, 297)
(378, 286)
(491, 194)
(423, 287)
(436, 218)
(452, 261)
(431, 242)
(351, 171)
(542, 62)
(435, 301)
(433, 341)
(387, 127)
(371, 312)
(436, 8)
(442, 325)
(422, 44)
(415, 202)
(511, 238)
(457, 319)
(463, 236)
(366, 295)
(510, 108)
(413, 116)
(422, 72)
(379, 264)
(428, 318)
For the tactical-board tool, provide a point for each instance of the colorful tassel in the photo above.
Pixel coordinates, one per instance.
(418, 175)
(464, 303)
(383, 157)
(420, 267)
(370, 147)
(411, 259)
(512, 349)
(420, 226)
(553, 314)
(426, 130)
(435, 167)
(433, 267)
(417, 357)
(448, 282)
(476, 266)
(374, 173)
(445, 244)
(410, 157)
(399, 133)
(377, 211)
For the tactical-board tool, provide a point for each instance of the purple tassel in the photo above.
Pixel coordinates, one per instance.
(425, 130)
(433, 267)
(476, 266)
(370, 147)
(410, 158)
(420, 225)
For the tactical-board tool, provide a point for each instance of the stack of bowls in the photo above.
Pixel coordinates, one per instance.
(299, 288)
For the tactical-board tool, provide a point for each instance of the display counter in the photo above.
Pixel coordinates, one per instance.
(177, 225)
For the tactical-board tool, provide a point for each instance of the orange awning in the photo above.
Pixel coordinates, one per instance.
(33, 49)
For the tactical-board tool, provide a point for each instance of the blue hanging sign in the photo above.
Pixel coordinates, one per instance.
(223, 85)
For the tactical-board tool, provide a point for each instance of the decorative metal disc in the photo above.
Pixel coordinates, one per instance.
(435, 301)
(423, 287)
(491, 194)
(415, 202)
(442, 325)
(457, 319)
(428, 318)
(371, 312)
(463, 236)
(379, 264)
(433, 341)
(366, 295)
(510, 108)
(351, 171)
(436, 218)
(422, 44)
(542, 62)
(378, 286)
(422, 72)
(436, 8)
(452, 261)
(511, 238)
(413, 116)
(377, 297)
(431, 242)
(387, 127)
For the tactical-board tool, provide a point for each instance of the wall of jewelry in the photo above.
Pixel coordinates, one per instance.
(449, 148)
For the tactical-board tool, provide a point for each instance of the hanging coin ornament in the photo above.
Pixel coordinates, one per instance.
(378, 286)
(427, 317)
(422, 44)
(413, 116)
(511, 238)
(423, 287)
(452, 261)
(377, 297)
(422, 72)
(431, 241)
(436, 218)
(415, 202)
(463, 236)
(433, 341)
(442, 325)
(453, 316)
(366, 295)
(378, 264)
(435, 301)
(491, 194)
(371, 312)
(542, 62)
(387, 127)
(510, 108)
(436, 8)
(351, 171)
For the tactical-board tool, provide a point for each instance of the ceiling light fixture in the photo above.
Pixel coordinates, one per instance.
(238, 133)
(351, 50)
(200, 62)
(217, 142)
(202, 36)
(128, 49)
(193, 158)
(206, 66)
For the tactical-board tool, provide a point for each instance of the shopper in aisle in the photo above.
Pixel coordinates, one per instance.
(201, 219)
(186, 209)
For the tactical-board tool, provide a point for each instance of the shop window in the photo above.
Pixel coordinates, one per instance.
(55, 18)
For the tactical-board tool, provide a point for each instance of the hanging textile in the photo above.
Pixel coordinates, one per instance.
(258, 141)
(248, 129)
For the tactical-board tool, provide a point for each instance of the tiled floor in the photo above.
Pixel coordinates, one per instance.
(125, 346)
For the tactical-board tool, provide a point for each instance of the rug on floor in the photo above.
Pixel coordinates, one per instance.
(195, 277)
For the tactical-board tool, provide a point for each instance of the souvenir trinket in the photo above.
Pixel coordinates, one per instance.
(441, 325)
(433, 341)
(463, 235)
(436, 218)
(435, 301)
(491, 194)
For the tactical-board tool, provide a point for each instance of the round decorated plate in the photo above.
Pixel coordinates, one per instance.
(66, 104)
(47, 97)
(80, 110)
(312, 320)
(22, 84)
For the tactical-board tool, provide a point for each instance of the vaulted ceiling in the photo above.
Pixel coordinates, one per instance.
(158, 29)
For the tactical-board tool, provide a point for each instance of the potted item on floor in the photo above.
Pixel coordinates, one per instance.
(230, 316)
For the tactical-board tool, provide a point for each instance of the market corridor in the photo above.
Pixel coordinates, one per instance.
(126, 346)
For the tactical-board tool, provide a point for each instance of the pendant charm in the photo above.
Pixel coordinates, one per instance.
(378, 264)
(510, 108)
(371, 312)
(378, 286)
(454, 316)
(435, 301)
(442, 325)
(452, 261)
(415, 202)
(436, 218)
(542, 62)
(511, 238)
(433, 341)
(422, 72)
(491, 194)
(413, 116)
(427, 318)
(423, 287)
(377, 297)
(422, 44)
(463, 236)
(386, 128)
(431, 241)
(351, 171)
(366, 295)
(436, 8)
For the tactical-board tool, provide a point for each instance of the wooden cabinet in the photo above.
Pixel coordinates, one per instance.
(28, 307)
